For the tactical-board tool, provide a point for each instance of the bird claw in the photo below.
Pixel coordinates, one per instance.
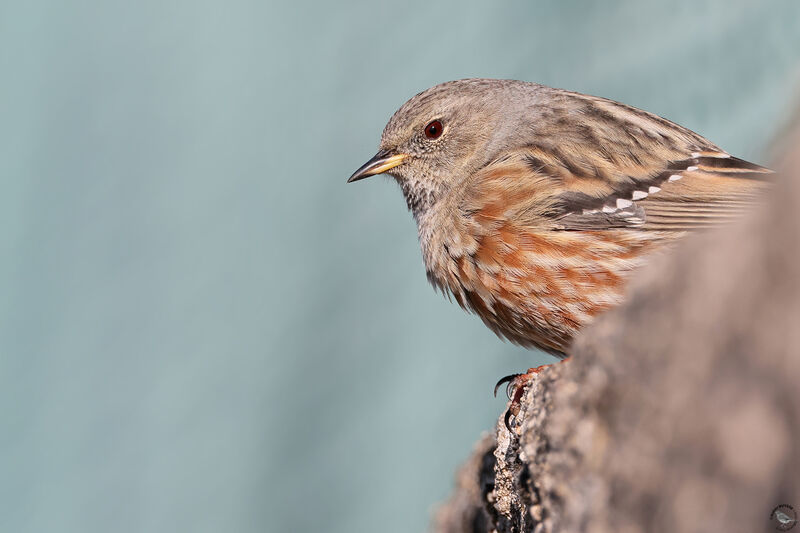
(509, 379)
(515, 387)
(507, 420)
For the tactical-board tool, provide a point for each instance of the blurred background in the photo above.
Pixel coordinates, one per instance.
(202, 328)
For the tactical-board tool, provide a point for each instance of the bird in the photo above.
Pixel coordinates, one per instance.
(784, 518)
(534, 204)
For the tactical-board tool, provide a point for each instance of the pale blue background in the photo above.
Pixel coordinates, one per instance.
(202, 328)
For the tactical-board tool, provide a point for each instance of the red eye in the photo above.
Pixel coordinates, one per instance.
(433, 130)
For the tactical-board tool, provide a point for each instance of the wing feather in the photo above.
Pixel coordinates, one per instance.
(580, 190)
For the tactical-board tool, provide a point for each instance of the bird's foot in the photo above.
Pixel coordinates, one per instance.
(516, 384)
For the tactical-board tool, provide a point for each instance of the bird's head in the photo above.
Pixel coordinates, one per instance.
(440, 136)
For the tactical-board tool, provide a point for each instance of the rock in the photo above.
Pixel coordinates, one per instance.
(466, 509)
(678, 411)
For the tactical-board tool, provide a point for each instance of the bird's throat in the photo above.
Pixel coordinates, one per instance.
(420, 198)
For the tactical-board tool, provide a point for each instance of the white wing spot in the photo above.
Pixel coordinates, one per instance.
(608, 209)
(691, 169)
(590, 211)
(638, 195)
(622, 203)
(718, 155)
(653, 189)
(675, 177)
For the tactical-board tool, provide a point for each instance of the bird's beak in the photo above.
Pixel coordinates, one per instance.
(383, 161)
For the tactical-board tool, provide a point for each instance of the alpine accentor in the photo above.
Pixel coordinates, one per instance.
(534, 204)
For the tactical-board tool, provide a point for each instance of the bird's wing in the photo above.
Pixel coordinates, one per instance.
(593, 163)
(595, 187)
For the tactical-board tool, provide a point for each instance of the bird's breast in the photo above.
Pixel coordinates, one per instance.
(535, 288)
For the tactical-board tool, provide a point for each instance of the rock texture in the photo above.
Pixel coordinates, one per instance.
(678, 412)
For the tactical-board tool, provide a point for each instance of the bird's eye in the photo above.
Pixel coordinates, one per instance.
(433, 130)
